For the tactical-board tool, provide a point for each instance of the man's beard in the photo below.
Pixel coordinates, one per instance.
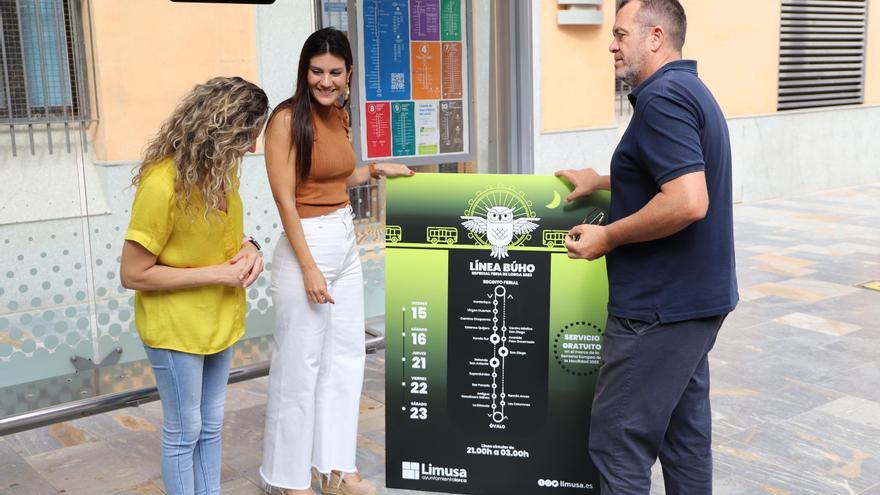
(633, 65)
(632, 73)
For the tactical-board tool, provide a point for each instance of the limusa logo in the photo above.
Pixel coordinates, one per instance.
(499, 216)
(410, 470)
(430, 472)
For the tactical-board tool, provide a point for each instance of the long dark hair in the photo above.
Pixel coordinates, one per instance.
(302, 131)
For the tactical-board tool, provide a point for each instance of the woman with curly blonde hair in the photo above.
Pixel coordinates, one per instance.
(189, 262)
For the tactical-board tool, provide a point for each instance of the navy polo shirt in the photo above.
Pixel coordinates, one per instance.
(677, 128)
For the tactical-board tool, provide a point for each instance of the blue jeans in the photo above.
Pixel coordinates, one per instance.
(652, 400)
(192, 388)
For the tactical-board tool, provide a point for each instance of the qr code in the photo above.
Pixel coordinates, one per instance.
(397, 81)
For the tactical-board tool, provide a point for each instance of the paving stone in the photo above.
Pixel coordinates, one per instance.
(243, 441)
(770, 387)
(751, 277)
(88, 469)
(813, 453)
(817, 324)
(861, 381)
(129, 431)
(783, 265)
(860, 347)
(244, 395)
(874, 490)
(736, 485)
(854, 409)
(48, 439)
(800, 290)
(859, 308)
(658, 488)
(240, 486)
(17, 477)
(148, 488)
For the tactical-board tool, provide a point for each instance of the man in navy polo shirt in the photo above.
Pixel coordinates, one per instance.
(669, 251)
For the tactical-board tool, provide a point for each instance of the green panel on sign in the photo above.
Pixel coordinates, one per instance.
(578, 310)
(450, 20)
(429, 149)
(403, 128)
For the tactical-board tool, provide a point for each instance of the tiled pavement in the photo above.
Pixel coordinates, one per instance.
(796, 378)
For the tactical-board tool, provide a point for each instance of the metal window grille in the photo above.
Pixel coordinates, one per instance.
(366, 200)
(43, 64)
(621, 98)
(822, 53)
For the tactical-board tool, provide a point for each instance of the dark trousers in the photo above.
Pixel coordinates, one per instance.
(652, 400)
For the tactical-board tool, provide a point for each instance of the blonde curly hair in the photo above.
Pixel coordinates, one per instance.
(206, 136)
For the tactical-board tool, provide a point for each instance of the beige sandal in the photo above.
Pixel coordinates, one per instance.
(337, 483)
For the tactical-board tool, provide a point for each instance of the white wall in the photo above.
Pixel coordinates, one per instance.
(575, 149)
(799, 152)
(44, 185)
(282, 28)
(776, 155)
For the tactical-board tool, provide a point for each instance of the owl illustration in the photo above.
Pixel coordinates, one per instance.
(499, 227)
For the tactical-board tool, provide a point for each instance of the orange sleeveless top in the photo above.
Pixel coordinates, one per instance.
(333, 161)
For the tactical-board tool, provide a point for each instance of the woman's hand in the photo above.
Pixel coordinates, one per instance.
(316, 286)
(393, 170)
(249, 262)
(228, 273)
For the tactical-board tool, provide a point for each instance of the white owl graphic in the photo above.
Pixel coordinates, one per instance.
(499, 227)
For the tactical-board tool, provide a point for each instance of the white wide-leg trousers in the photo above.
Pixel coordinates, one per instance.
(317, 369)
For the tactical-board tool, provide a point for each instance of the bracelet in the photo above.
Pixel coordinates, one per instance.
(253, 241)
(373, 172)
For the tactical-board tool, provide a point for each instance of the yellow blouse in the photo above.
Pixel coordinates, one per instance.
(200, 320)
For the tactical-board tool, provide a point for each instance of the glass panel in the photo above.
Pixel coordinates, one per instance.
(65, 194)
(48, 323)
(46, 315)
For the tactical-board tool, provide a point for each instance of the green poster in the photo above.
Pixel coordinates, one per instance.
(493, 335)
(450, 20)
(403, 124)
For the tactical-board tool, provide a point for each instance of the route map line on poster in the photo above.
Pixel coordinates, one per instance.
(413, 90)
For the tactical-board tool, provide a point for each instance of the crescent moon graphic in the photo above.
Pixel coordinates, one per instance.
(556, 200)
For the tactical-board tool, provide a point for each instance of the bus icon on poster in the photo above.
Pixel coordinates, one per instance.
(554, 238)
(393, 234)
(449, 235)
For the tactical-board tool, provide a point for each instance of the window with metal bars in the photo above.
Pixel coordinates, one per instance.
(42, 62)
(822, 53)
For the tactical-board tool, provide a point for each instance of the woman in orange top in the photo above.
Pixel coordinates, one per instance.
(317, 285)
(185, 255)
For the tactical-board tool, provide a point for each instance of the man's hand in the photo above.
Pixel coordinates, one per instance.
(589, 242)
(585, 181)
